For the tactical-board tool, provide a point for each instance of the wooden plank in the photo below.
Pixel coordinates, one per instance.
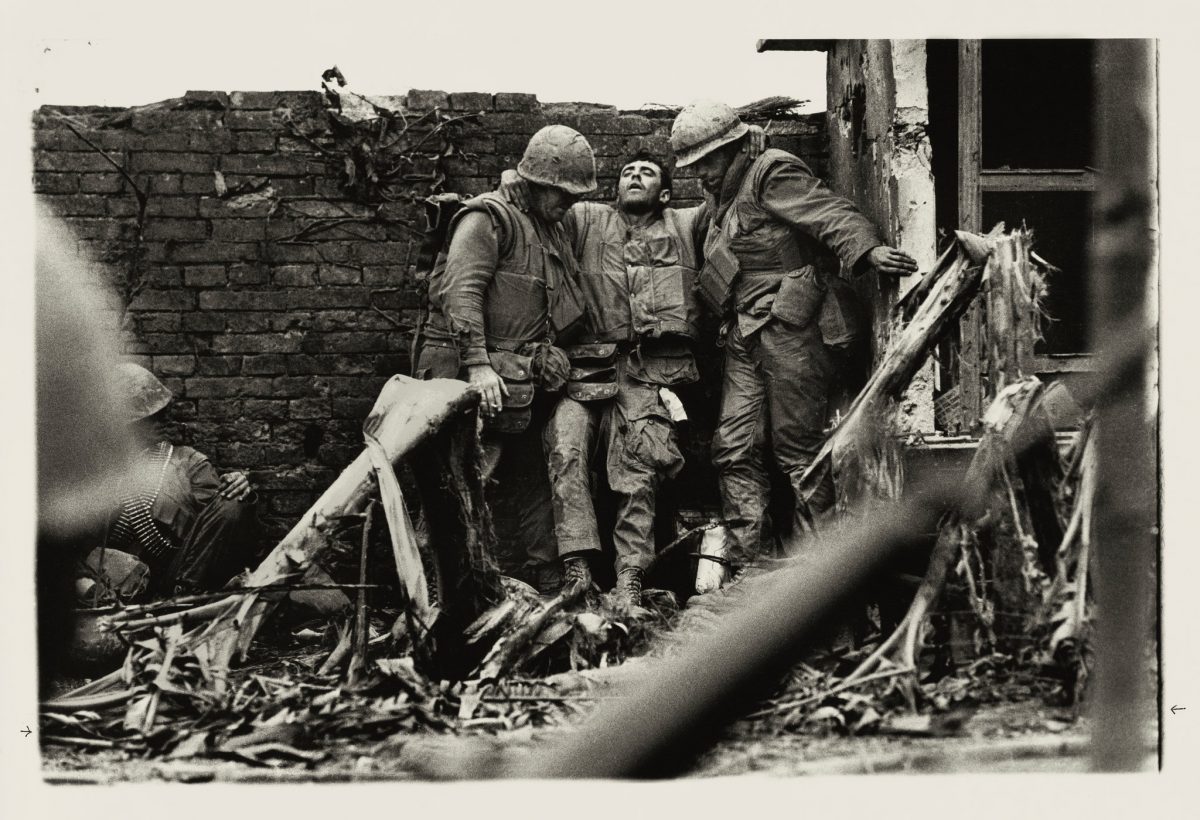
(970, 217)
(1054, 180)
(1075, 363)
(793, 45)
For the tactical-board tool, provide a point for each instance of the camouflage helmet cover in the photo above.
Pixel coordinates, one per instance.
(701, 127)
(143, 393)
(561, 157)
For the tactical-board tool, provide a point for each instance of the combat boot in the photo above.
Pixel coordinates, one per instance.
(629, 588)
(576, 573)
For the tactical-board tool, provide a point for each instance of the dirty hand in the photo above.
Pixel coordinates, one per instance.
(235, 486)
(490, 386)
(891, 260)
(514, 189)
(757, 142)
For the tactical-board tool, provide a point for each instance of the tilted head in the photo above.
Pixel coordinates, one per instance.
(644, 184)
(706, 134)
(559, 166)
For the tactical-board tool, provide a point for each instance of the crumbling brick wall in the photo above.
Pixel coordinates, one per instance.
(265, 295)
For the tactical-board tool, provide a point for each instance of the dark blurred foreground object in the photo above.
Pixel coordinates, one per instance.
(1127, 492)
(82, 441)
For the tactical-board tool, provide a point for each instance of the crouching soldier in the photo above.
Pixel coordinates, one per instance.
(181, 527)
(502, 297)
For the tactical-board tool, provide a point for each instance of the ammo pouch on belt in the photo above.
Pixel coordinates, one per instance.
(516, 372)
(800, 296)
(715, 282)
(593, 373)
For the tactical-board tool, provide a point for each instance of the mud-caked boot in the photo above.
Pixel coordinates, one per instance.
(629, 589)
(548, 579)
(576, 574)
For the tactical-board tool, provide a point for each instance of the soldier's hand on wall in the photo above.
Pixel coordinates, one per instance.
(235, 486)
(514, 189)
(490, 386)
(756, 142)
(891, 261)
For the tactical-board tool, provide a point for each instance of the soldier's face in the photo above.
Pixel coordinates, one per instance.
(151, 429)
(711, 168)
(550, 204)
(639, 187)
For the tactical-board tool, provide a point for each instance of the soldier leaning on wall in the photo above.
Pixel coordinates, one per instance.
(771, 223)
(502, 298)
(638, 264)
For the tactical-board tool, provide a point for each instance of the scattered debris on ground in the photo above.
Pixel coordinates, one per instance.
(453, 648)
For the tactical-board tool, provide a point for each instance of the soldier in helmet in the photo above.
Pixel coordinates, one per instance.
(638, 263)
(502, 299)
(181, 527)
(772, 225)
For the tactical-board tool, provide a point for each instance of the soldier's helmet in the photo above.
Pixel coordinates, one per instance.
(701, 127)
(143, 393)
(560, 157)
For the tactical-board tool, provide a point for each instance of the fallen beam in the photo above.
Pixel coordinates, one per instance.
(940, 298)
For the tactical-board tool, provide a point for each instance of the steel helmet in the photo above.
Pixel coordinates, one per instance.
(702, 126)
(143, 393)
(560, 157)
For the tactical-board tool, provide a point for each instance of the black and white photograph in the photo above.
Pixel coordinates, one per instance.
(474, 393)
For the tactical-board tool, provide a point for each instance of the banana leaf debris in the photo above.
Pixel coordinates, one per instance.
(998, 599)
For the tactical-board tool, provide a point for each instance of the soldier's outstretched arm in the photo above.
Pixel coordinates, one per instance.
(792, 194)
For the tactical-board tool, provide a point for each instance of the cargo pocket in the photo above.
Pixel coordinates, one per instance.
(715, 283)
(840, 318)
(516, 410)
(664, 301)
(800, 296)
(651, 441)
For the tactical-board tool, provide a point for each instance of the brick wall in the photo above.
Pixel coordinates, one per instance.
(272, 301)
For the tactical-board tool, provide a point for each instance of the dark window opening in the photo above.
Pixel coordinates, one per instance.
(1037, 103)
(941, 71)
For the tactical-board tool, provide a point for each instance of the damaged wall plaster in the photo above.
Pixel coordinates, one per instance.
(880, 154)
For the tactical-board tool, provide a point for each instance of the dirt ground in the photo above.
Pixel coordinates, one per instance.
(1016, 737)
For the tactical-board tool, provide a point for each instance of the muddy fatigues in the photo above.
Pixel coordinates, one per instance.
(499, 292)
(777, 219)
(638, 282)
(176, 522)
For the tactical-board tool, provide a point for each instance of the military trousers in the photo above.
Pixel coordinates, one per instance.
(635, 436)
(219, 545)
(516, 486)
(774, 399)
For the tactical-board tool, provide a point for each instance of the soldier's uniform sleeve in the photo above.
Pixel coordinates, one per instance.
(696, 221)
(471, 263)
(205, 480)
(574, 223)
(793, 195)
